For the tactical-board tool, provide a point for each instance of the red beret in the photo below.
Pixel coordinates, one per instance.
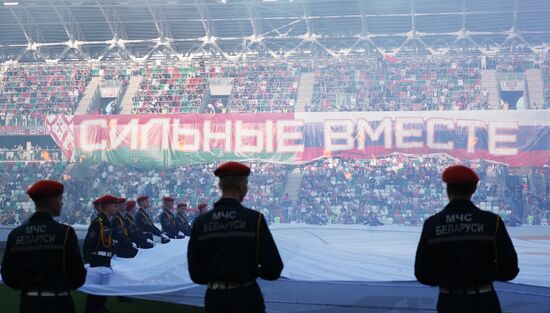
(232, 169)
(168, 198)
(182, 205)
(96, 201)
(130, 204)
(142, 198)
(460, 174)
(108, 199)
(202, 205)
(121, 200)
(45, 189)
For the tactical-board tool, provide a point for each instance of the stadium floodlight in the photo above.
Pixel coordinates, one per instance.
(11, 3)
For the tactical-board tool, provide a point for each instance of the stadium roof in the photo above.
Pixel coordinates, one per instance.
(134, 29)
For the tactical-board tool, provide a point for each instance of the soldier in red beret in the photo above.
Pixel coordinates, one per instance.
(145, 225)
(98, 247)
(182, 223)
(168, 221)
(42, 257)
(131, 226)
(463, 249)
(123, 246)
(231, 246)
(203, 207)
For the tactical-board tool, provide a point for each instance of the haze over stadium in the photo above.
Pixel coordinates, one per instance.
(347, 112)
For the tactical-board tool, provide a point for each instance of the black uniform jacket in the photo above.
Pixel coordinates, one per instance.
(122, 241)
(464, 246)
(168, 223)
(43, 255)
(183, 225)
(232, 244)
(98, 244)
(145, 226)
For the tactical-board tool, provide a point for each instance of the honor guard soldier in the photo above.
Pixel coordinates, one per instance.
(183, 224)
(98, 247)
(168, 221)
(145, 225)
(231, 246)
(463, 249)
(203, 208)
(131, 226)
(42, 257)
(122, 243)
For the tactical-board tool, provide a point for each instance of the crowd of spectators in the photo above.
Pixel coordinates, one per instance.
(29, 92)
(421, 83)
(394, 190)
(450, 82)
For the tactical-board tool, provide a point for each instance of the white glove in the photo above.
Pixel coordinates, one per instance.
(87, 266)
(134, 245)
(151, 241)
(181, 234)
(164, 236)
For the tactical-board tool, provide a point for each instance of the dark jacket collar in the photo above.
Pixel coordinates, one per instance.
(460, 203)
(226, 201)
(41, 215)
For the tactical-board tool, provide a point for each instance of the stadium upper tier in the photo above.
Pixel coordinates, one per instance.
(30, 91)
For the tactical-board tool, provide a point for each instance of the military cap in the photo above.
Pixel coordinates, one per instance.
(168, 198)
(45, 189)
(108, 199)
(202, 205)
(142, 198)
(130, 204)
(460, 174)
(182, 205)
(121, 200)
(232, 169)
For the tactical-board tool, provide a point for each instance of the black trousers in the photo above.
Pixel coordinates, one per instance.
(241, 300)
(95, 304)
(479, 303)
(34, 304)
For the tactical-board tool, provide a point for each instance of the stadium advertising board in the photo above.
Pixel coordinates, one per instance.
(518, 138)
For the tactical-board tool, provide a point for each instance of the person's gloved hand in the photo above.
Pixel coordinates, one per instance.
(151, 242)
(164, 239)
(180, 235)
(134, 245)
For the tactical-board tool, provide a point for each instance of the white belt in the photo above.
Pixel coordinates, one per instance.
(102, 253)
(47, 293)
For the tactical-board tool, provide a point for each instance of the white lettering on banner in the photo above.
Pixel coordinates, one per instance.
(85, 132)
(472, 126)
(209, 135)
(116, 137)
(287, 136)
(364, 129)
(283, 136)
(431, 126)
(496, 137)
(269, 136)
(248, 140)
(333, 135)
(401, 133)
(164, 123)
(181, 134)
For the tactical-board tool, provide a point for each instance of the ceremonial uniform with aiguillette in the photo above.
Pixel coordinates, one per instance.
(98, 248)
(168, 221)
(131, 227)
(229, 248)
(181, 221)
(122, 243)
(463, 249)
(145, 225)
(42, 258)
